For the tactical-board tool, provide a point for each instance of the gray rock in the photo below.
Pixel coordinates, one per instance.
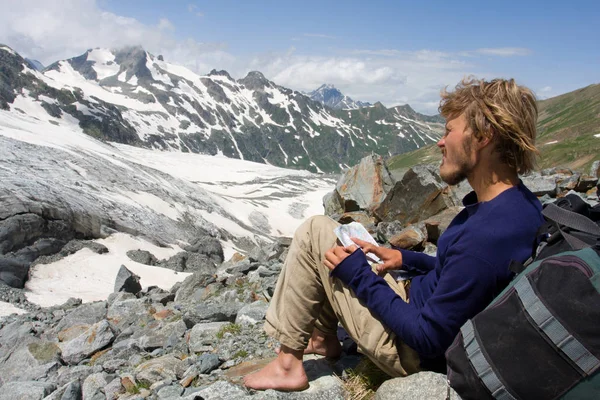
(365, 185)
(127, 281)
(97, 337)
(252, 313)
(142, 257)
(540, 185)
(212, 313)
(69, 391)
(93, 387)
(421, 182)
(191, 284)
(157, 334)
(203, 334)
(113, 389)
(77, 373)
(209, 246)
(122, 314)
(26, 390)
(170, 392)
(333, 204)
(220, 390)
(242, 267)
(85, 314)
(207, 363)
(158, 369)
(423, 385)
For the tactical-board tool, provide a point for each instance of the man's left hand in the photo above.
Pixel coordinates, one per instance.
(334, 256)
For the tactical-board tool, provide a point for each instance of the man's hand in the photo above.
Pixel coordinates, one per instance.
(334, 256)
(392, 259)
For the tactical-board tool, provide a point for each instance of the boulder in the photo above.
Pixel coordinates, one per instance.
(438, 224)
(142, 257)
(203, 334)
(252, 313)
(419, 195)
(97, 337)
(158, 334)
(208, 246)
(30, 390)
(333, 204)
(412, 237)
(423, 385)
(127, 281)
(165, 367)
(540, 184)
(193, 283)
(365, 185)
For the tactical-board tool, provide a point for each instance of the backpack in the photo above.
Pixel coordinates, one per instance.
(540, 337)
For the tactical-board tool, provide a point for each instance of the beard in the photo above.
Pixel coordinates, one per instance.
(459, 168)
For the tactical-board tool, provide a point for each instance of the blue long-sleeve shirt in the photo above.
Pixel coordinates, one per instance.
(470, 269)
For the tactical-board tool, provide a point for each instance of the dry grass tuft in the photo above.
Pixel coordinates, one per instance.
(362, 382)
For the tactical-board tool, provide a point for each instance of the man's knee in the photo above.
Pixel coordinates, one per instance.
(315, 227)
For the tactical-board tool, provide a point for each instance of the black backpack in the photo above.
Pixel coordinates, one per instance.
(540, 338)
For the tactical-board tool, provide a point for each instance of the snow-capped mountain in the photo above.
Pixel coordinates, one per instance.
(330, 96)
(132, 97)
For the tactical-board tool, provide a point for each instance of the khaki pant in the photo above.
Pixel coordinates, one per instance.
(307, 296)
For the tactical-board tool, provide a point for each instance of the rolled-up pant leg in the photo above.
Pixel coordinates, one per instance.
(307, 296)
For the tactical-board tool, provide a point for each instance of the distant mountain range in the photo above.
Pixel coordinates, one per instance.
(130, 96)
(331, 97)
(568, 133)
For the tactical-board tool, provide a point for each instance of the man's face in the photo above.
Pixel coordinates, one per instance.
(456, 147)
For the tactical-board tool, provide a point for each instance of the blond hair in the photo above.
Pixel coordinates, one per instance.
(500, 110)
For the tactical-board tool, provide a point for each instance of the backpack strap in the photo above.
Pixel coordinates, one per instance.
(554, 329)
(570, 219)
(484, 370)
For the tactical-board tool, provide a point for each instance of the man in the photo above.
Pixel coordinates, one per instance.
(489, 140)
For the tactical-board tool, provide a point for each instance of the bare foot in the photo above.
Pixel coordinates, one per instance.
(285, 373)
(322, 344)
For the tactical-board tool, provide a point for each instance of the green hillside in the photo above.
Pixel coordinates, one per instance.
(566, 128)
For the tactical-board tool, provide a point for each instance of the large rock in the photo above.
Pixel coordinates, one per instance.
(198, 281)
(203, 335)
(127, 281)
(419, 195)
(158, 369)
(424, 385)
(97, 337)
(540, 184)
(86, 314)
(365, 185)
(252, 313)
(159, 334)
(122, 314)
(31, 390)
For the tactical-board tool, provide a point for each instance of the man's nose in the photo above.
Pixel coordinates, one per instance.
(441, 143)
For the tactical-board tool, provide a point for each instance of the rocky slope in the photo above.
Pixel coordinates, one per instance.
(196, 340)
(130, 96)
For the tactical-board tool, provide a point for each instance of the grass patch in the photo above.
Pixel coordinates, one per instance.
(241, 354)
(234, 329)
(363, 381)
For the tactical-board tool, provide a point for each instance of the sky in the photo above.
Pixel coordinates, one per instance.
(396, 52)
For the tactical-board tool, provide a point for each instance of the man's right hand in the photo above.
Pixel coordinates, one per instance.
(392, 259)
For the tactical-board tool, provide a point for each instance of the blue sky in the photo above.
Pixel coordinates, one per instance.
(393, 51)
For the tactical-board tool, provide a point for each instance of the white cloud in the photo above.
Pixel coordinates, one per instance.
(504, 51)
(60, 29)
(165, 25)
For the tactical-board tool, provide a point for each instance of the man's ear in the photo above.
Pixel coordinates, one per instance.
(485, 140)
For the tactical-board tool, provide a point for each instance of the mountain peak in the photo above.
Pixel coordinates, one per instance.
(222, 72)
(328, 95)
(255, 80)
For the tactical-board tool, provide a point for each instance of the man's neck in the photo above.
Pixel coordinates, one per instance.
(490, 182)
